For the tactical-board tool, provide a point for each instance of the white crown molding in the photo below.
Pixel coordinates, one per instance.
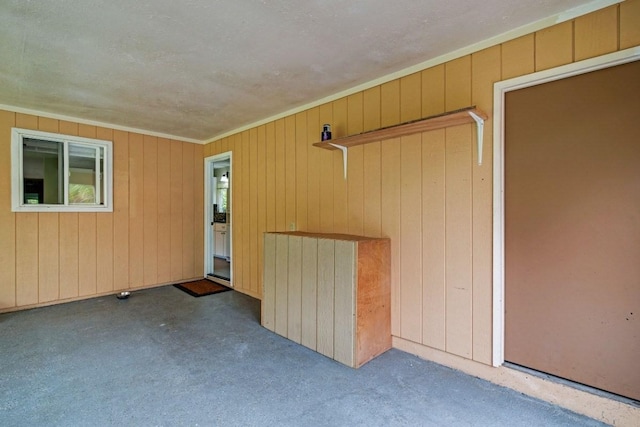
(97, 123)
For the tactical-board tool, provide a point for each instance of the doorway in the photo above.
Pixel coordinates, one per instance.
(570, 228)
(218, 218)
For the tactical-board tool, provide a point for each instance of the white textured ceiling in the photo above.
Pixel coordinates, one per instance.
(198, 68)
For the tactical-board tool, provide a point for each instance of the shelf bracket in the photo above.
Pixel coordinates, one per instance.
(344, 156)
(480, 134)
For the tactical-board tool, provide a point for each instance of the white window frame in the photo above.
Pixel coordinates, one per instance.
(17, 173)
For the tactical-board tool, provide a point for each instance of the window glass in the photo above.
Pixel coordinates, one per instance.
(42, 165)
(52, 172)
(84, 178)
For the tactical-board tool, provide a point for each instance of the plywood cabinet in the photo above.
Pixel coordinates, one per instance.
(329, 292)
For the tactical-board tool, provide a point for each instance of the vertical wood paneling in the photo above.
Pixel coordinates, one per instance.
(224, 145)
(433, 88)
(136, 210)
(459, 155)
(268, 306)
(87, 239)
(46, 124)
(271, 176)
(47, 257)
(104, 237)
(458, 83)
(340, 196)
(290, 172)
(164, 210)
(188, 234)
(68, 128)
(390, 103)
(458, 245)
(486, 71)
(309, 292)
(150, 217)
(355, 180)
(411, 211)
(262, 204)
(121, 258)
(48, 245)
(553, 46)
(518, 57)
(596, 33)
(198, 211)
(280, 179)
(371, 109)
(629, 28)
(344, 303)
(69, 256)
(372, 193)
(253, 210)
(433, 212)
(372, 164)
(314, 167)
(26, 121)
(301, 169)
(325, 158)
(26, 240)
(237, 184)
(355, 113)
(69, 235)
(390, 190)
(245, 211)
(294, 289)
(433, 239)
(411, 237)
(410, 97)
(7, 218)
(282, 272)
(87, 250)
(176, 210)
(326, 296)
(27, 258)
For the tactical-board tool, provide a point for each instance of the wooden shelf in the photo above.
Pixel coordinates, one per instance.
(452, 118)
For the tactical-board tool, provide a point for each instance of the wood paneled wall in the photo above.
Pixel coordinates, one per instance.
(154, 235)
(426, 191)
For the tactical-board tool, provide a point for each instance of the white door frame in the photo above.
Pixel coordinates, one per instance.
(499, 91)
(208, 212)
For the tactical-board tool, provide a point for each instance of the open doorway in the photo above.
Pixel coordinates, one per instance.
(218, 224)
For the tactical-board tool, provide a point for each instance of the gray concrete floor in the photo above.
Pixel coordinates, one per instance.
(221, 268)
(165, 358)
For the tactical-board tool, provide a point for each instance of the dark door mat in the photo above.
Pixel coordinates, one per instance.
(200, 288)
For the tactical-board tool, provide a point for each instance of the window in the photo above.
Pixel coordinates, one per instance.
(56, 173)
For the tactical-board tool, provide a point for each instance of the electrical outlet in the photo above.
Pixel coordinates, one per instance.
(292, 226)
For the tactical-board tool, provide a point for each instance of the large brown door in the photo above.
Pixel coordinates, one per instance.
(572, 228)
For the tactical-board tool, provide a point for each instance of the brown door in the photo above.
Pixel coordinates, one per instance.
(572, 228)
